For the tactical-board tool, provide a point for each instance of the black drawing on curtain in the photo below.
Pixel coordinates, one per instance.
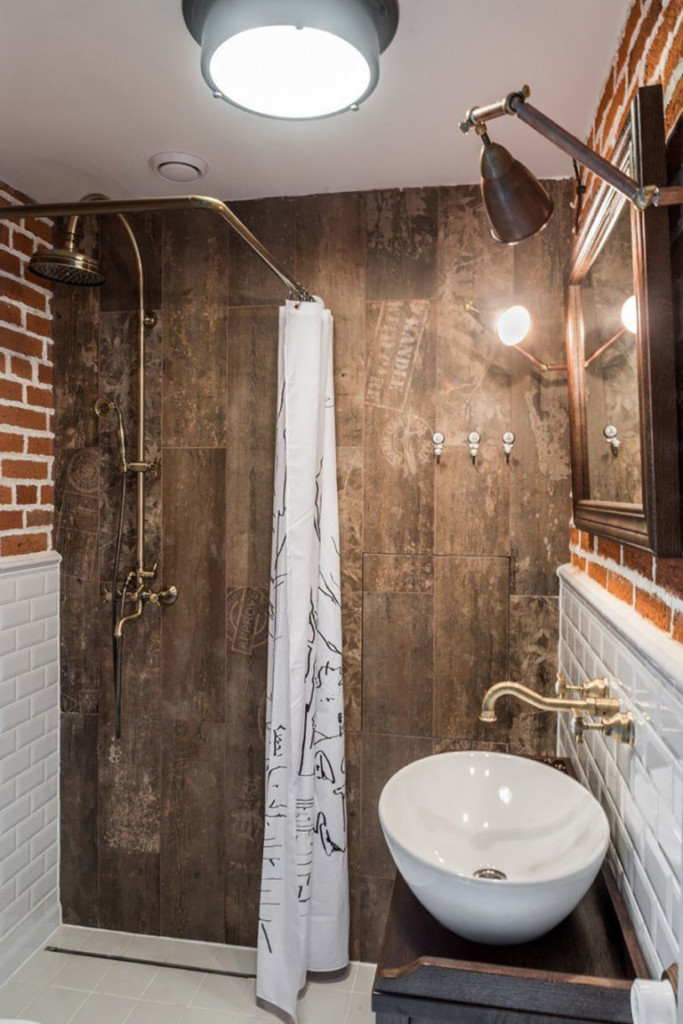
(320, 812)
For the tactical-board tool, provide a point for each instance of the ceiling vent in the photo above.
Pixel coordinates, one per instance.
(180, 167)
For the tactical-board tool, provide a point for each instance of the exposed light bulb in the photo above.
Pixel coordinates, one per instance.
(283, 71)
(513, 325)
(629, 315)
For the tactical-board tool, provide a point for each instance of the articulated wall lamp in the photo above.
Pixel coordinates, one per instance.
(292, 59)
(514, 323)
(516, 203)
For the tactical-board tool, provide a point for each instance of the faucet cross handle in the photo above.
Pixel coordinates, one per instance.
(619, 725)
(596, 688)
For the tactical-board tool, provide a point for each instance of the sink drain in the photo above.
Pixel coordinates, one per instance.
(490, 873)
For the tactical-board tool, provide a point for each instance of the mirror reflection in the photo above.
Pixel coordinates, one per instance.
(611, 373)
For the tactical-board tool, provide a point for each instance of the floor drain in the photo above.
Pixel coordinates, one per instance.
(490, 873)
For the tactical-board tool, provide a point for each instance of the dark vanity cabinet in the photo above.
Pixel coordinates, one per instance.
(581, 971)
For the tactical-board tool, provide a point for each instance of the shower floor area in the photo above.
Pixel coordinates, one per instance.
(184, 983)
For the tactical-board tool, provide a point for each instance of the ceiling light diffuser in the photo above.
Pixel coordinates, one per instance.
(292, 59)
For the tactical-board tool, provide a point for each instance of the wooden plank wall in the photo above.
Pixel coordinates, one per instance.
(447, 572)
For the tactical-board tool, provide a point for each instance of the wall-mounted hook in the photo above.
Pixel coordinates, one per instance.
(610, 434)
(473, 439)
(508, 441)
(438, 439)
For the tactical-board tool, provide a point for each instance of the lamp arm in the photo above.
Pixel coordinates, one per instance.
(641, 196)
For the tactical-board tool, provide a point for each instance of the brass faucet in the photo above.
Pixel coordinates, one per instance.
(138, 595)
(592, 699)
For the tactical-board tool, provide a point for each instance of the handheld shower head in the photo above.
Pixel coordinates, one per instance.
(105, 406)
(66, 266)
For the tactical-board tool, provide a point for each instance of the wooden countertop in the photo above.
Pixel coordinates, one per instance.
(580, 971)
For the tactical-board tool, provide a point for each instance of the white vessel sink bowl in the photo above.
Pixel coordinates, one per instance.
(449, 816)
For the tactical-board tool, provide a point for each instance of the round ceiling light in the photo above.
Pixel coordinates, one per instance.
(292, 59)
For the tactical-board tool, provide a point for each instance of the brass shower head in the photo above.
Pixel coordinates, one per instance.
(66, 266)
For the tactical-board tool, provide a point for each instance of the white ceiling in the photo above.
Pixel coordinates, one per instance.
(90, 89)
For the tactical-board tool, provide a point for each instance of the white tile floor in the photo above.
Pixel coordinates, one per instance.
(56, 988)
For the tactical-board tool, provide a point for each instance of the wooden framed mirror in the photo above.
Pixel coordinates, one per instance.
(620, 359)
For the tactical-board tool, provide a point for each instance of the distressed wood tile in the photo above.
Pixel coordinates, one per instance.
(354, 915)
(79, 634)
(354, 749)
(330, 244)
(443, 745)
(77, 497)
(78, 820)
(473, 368)
(118, 382)
(399, 350)
(194, 551)
(352, 658)
(471, 629)
(398, 574)
(129, 767)
(382, 757)
(541, 263)
(399, 413)
(273, 221)
(195, 304)
(252, 410)
(375, 895)
(534, 636)
(539, 503)
(129, 891)
(75, 328)
(401, 243)
(242, 895)
(459, 240)
(193, 830)
(539, 484)
(350, 490)
(398, 668)
(472, 502)
(120, 288)
(350, 496)
(245, 732)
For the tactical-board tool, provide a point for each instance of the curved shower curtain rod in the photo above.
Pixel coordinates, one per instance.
(96, 207)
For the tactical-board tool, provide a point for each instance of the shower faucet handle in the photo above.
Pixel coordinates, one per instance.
(168, 595)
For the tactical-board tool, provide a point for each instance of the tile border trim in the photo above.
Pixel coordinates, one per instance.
(18, 564)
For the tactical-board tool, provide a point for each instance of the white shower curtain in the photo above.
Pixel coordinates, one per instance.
(304, 912)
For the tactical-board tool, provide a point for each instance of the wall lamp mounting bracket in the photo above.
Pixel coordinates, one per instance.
(515, 103)
(475, 313)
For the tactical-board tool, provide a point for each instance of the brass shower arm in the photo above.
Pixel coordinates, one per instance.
(97, 208)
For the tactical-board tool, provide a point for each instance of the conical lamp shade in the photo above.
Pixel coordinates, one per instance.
(516, 203)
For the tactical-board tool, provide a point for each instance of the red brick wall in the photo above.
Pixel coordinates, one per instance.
(649, 51)
(26, 403)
